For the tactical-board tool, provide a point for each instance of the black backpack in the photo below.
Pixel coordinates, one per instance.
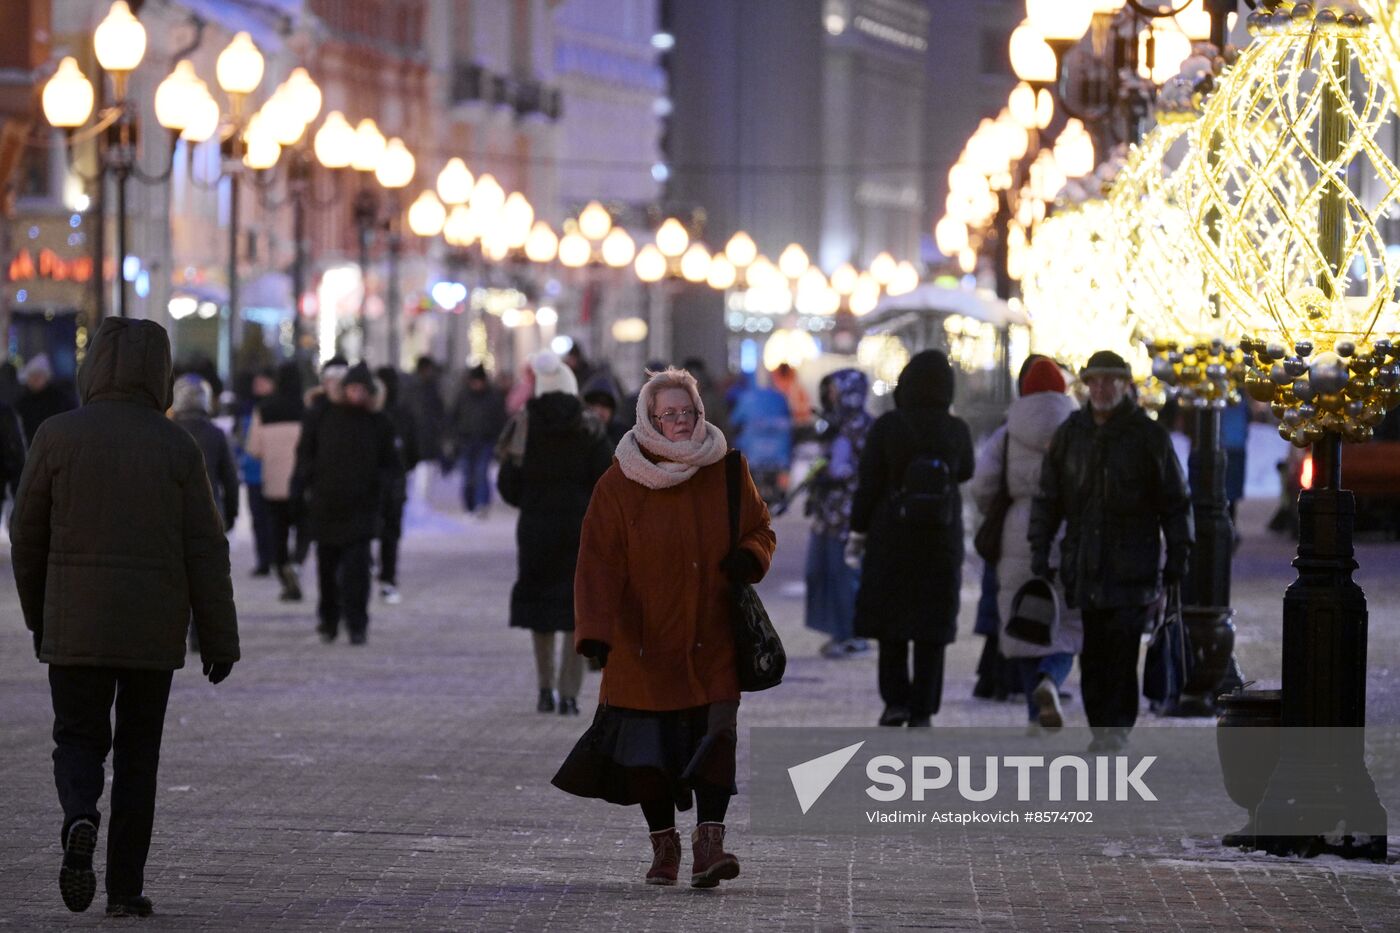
(927, 496)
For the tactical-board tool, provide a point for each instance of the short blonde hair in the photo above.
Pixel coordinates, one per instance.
(670, 378)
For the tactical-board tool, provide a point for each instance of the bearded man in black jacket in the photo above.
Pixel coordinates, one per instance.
(1112, 478)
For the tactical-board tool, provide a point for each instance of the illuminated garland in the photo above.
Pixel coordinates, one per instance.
(1258, 183)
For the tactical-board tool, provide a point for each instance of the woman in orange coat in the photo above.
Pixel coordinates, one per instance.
(652, 604)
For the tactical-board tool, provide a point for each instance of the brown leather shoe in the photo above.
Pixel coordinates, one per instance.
(665, 857)
(712, 864)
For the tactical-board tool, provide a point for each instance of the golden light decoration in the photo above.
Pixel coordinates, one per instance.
(1073, 288)
(884, 356)
(1305, 266)
(1164, 279)
(1386, 14)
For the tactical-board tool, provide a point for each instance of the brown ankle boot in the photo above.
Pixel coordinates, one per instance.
(712, 864)
(665, 857)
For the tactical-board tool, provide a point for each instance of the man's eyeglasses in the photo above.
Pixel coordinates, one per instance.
(671, 416)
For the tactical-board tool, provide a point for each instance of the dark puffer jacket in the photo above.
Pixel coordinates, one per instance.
(347, 464)
(566, 451)
(911, 577)
(1118, 488)
(117, 542)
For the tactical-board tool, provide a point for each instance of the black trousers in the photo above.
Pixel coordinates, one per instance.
(1108, 664)
(262, 525)
(343, 571)
(921, 694)
(279, 513)
(83, 698)
(389, 540)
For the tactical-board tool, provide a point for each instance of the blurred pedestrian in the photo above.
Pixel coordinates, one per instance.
(565, 451)
(1010, 459)
(907, 537)
(1112, 478)
(786, 381)
(831, 584)
(396, 496)
(478, 417)
(40, 398)
(193, 401)
(273, 437)
(764, 425)
(116, 504)
(711, 393)
(423, 397)
(347, 464)
(601, 396)
(652, 603)
(264, 383)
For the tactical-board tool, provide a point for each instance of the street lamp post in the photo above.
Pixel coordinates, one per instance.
(1316, 105)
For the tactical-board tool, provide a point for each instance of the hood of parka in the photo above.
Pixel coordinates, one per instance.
(128, 361)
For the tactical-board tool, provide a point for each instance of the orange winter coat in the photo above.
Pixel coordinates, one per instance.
(649, 586)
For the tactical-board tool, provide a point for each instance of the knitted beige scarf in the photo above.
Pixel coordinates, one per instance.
(674, 461)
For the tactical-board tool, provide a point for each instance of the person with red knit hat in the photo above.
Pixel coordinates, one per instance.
(1010, 460)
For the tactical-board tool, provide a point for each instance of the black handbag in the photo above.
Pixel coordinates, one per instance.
(987, 541)
(1167, 665)
(759, 658)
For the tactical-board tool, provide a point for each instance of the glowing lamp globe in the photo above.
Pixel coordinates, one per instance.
(722, 274)
(618, 249)
(671, 238)
(334, 143)
(68, 95)
(543, 244)
(517, 219)
(1031, 58)
(203, 121)
(793, 261)
(120, 40)
(1060, 20)
(396, 166)
(741, 250)
(650, 264)
(574, 250)
(176, 95)
(426, 215)
(239, 67)
(369, 146)
(594, 221)
(454, 182)
(695, 263)
(304, 94)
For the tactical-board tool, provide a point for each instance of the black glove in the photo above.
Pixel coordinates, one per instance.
(597, 650)
(38, 642)
(741, 566)
(217, 671)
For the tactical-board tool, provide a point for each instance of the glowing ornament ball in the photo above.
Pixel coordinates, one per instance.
(1310, 95)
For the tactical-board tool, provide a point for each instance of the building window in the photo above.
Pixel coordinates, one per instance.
(996, 53)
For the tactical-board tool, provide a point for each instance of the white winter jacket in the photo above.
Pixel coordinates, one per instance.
(1031, 422)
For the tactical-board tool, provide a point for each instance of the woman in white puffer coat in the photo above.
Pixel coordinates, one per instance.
(1018, 448)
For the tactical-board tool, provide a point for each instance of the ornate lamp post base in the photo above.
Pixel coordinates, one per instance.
(1321, 798)
(1211, 633)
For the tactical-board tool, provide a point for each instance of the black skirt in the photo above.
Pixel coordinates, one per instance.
(628, 756)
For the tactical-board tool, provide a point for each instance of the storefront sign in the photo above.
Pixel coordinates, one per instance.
(49, 266)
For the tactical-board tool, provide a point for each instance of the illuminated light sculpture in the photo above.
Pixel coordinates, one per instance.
(1307, 268)
(1165, 282)
(1386, 14)
(1295, 255)
(1073, 288)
